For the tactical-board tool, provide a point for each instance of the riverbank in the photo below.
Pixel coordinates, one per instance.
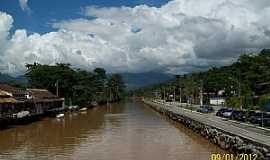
(231, 138)
(11, 121)
(127, 130)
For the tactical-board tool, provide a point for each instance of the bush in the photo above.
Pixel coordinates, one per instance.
(247, 102)
(233, 102)
(263, 100)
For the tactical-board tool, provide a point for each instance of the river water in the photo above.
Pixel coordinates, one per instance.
(123, 131)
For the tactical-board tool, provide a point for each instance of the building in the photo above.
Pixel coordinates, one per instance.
(7, 105)
(15, 102)
(17, 93)
(44, 101)
(11, 101)
(217, 101)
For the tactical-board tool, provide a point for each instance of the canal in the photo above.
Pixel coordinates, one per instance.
(123, 131)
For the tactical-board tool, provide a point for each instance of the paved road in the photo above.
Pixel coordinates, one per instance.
(242, 130)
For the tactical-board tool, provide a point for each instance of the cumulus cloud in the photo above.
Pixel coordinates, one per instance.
(180, 36)
(24, 6)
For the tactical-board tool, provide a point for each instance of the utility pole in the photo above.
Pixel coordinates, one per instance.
(110, 94)
(262, 119)
(180, 95)
(180, 90)
(57, 91)
(239, 89)
(192, 91)
(107, 96)
(201, 93)
(179, 78)
(164, 96)
(174, 94)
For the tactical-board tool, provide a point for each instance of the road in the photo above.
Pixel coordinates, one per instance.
(243, 130)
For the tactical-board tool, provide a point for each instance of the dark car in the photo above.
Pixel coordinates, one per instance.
(254, 117)
(259, 118)
(205, 109)
(239, 115)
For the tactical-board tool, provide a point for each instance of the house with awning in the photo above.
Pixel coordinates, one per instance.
(12, 101)
(44, 101)
(17, 102)
(8, 105)
(17, 93)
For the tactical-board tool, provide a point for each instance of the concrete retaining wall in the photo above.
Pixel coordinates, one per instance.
(232, 143)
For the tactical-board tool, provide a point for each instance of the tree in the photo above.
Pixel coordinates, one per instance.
(81, 86)
(233, 102)
(247, 77)
(263, 100)
(116, 87)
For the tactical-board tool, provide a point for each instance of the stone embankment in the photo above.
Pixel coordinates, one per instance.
(233, 143)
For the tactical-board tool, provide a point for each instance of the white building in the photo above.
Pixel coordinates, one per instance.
(217, 101)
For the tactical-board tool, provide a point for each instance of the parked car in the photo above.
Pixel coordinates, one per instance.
(228, 113)
(220, 112)
(205, 109)
(239, 115)
(258, 117)
(224, 112)
(254, 117)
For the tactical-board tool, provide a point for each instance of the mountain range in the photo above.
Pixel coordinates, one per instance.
(132, 80)
(138, 80)
(5, 78)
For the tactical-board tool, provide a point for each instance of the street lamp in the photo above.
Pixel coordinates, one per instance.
(201, 93)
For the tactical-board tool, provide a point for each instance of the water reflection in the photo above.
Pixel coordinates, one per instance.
(120, 131)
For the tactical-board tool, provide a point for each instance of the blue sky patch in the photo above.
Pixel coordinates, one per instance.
(44, 12)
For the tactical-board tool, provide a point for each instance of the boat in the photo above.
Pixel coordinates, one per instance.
(21, 114)
(83, 109)
(60, 115)
(94, 103)
(73, 108)
(22, 117)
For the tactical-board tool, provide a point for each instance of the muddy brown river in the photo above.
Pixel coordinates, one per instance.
(123, 131)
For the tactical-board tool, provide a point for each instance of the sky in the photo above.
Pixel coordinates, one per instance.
(176, 36)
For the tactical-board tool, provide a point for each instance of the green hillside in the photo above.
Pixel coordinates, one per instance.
(246, 82)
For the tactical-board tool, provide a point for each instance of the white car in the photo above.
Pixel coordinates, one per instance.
(228, 113)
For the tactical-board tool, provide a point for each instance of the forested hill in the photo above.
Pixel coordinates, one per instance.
(19, 80)
(250, 75)
(132, 80)
(138, 80)
(5, 78)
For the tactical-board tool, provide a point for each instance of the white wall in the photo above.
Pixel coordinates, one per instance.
(217, 101)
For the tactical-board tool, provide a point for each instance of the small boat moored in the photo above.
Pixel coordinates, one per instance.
(83, 109)
(94, 103)
(60, 115)
(21, 114)
(73, 108)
